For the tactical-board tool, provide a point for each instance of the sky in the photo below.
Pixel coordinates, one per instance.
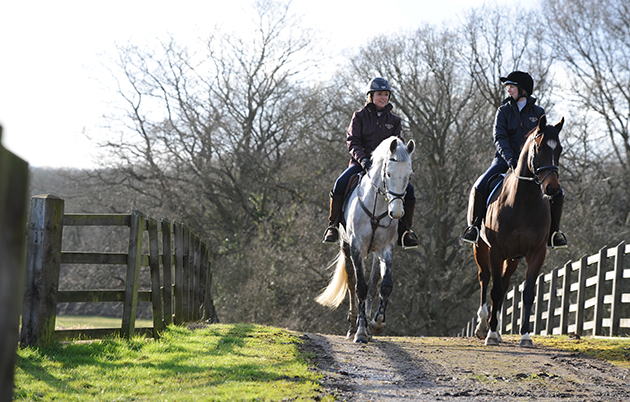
(52, 85)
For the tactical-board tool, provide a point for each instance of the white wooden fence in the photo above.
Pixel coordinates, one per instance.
(586, 297)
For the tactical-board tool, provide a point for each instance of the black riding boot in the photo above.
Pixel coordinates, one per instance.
(332, 231)
(557, 239)
(407, 239)
(471, 234)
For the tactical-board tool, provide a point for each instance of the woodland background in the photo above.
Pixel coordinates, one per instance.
(242, 140)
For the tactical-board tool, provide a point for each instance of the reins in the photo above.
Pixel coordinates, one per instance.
(536, 171)
(375, 220)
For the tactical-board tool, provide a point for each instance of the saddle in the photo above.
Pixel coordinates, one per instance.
(493, 185)
(352, 184)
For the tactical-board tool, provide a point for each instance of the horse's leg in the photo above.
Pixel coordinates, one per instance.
(496, 294)
(387, 285)
(481, 251)
(375, 277)
(362, 335)
(352, 296)
(534, 263)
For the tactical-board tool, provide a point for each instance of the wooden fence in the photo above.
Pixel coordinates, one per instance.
(178, 263)
(586, 297)
(13, 203)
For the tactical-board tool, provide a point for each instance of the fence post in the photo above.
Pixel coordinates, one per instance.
(134, 260)
(615, 308)
(45, 231)
(154, 266)
(581, 296)
(13, 211)
(551, 306)
(598, 316)
(210, 313)
(167, 265)
(566, 299)
(179, 273)
(186, 270)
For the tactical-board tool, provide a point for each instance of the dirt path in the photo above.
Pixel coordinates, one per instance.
(460, 369)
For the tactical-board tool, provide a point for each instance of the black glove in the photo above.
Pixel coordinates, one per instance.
(513, 162)
(366, 164)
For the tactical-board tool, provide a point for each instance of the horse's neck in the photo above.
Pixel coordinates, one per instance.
(370, 186)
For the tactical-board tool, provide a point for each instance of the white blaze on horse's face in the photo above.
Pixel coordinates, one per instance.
(396, 177)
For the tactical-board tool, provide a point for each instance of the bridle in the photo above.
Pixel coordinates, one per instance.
(537, 171)
(389, 196)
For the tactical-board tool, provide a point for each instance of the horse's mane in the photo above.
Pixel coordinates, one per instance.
(382, 151)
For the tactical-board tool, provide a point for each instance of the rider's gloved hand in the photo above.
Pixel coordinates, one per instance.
(366, 164)
(512, 162)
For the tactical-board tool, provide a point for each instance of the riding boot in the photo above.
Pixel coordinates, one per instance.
(471, 234)
(331, 235)
(407, 239)
(557, 239)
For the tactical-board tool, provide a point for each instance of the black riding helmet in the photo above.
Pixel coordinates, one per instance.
(378, 84)
(520, 79)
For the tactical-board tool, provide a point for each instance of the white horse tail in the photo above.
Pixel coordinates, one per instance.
(336, 290)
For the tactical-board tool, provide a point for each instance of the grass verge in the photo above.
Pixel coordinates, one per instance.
(614, 350)
(217, 363)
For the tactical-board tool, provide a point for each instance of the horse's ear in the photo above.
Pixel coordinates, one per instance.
(411, 146)
(559, 125)
(542, 122)
(393, 146)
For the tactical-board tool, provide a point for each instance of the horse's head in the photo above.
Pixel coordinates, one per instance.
(396, 170)
(544, 155)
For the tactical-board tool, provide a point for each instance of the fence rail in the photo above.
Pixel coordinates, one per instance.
(178, 264)
(586, 297)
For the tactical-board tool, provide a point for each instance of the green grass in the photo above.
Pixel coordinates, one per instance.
(217, 363)
(614, 350)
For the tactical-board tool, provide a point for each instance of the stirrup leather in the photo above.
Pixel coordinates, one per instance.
(402, 240)
(476, 234)
(326, 232)
(559, 246)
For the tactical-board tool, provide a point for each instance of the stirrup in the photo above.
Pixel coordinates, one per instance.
(402, 240)
(476, 235)
(326, 232)
(559, 246)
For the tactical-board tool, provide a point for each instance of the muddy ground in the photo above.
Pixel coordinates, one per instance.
(460, 369)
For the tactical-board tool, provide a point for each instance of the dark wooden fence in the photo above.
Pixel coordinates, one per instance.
(178, 263)
(13, 210)
(586, 297)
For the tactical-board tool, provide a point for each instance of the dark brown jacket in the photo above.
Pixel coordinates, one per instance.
(367, 130)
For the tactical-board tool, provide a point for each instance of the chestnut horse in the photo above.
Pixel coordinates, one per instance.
(371, 227)
(517, 225)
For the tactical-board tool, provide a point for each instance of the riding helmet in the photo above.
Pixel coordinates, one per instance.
(521, 79)
(378, 84)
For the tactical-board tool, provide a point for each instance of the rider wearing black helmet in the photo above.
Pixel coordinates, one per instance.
(368, 128)
(517, 116)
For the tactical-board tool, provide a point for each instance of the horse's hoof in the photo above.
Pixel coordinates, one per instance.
(360, 339)
(526, 341)
(480, 332)
(350, 334)
(377, 326)
(492, 339)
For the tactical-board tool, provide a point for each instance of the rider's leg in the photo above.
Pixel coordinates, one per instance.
(331, 235)
(478, 198)
(407, 239)
(557, 239)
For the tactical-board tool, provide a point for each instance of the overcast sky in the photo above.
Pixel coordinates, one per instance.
(51, 55)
